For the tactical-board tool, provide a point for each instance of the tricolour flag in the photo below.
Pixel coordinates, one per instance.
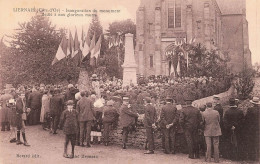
(89, 50)
(61, 52)
(92, 44)
(178, 68)
(70, 48)
(76, 45)
(97, 48)
(172, 72)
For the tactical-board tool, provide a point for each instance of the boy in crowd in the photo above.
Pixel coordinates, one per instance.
(69, 119)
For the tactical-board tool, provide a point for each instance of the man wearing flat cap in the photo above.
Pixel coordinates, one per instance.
(233, 124)
(190, 119)
(169, 121)
(127, 119)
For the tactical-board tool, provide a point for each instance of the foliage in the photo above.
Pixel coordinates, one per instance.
(202, 62)
(115, 55)
(32, 49)
(244, 83)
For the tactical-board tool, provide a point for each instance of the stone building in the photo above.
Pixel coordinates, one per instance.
(161, 24)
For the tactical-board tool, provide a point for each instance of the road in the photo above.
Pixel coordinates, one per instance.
(48, 148)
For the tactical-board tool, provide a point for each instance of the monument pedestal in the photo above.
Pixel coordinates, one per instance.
(129, 66)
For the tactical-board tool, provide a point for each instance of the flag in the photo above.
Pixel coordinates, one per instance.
(82, 40)
(88, 38)
(178, 68)
(70, 47)
(172, 72)
(92, 44)
(61, 52)
(85, 50)
(76, 45)
(88, 51)
(97, 48)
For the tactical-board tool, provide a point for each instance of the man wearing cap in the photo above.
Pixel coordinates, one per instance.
(169, 122)
(190, 119)
(149, 124)
(69, 122)
(109, 117)
(70, 93)
(212, 131)
(233, 123)
(251, 130)
(85, 108)
(127, 119)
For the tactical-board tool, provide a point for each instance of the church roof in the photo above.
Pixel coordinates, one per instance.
(231, 6)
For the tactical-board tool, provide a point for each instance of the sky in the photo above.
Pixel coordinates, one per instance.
(9, 19)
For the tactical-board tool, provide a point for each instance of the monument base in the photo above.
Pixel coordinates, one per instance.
(129, 76)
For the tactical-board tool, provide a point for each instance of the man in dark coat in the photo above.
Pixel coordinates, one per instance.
(86, 116)
(190, 119)
(56, 108)
(69, 119)
(233, 123)
(169, 118)
(251, 131)
(70, 94)
(34, 103)
(110, 116)
(149, 124)
(127, 119)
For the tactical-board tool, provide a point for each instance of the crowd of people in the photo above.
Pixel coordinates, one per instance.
(160, 103)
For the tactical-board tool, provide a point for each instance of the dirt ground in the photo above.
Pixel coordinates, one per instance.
(48, 148)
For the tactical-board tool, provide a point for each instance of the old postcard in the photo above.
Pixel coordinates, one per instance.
(129, 81)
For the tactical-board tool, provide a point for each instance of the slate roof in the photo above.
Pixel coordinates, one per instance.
(231, 6)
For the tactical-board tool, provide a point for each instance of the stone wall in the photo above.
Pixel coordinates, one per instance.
(137, 139)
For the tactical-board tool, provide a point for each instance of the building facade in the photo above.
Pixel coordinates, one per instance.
(162, 24)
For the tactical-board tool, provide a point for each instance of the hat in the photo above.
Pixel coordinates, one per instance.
(94, 75)
(232, 102)
(202, 108)
(70, 102)
(70, 86)
(255, 100)
(209, 104)
(125, 98)
(110, 102)
(216, 97)
(168, 98)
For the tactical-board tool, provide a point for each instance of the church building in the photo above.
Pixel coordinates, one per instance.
(217, 24)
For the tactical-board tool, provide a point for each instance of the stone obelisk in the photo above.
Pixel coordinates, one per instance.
(129, 66)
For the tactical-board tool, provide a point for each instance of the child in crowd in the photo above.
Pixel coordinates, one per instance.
(69, 119)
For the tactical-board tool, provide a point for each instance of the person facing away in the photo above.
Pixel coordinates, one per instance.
(212, 131)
